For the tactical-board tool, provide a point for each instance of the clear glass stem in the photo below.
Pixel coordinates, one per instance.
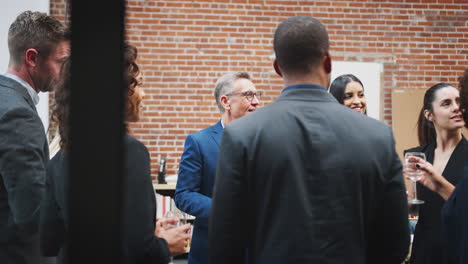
(415, 194)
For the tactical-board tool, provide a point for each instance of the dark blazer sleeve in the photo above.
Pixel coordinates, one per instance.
(22, 166)
(227, 223)
(52, 224)
(187, 196)
(391, 237)
(141, 243)
(455, 219)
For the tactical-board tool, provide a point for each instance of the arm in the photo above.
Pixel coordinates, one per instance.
(227, 223)
(22, 167)
(391, 228)
(139, 233)
(187, 195)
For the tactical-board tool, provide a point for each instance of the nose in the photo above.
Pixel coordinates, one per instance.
(456, 107)
(356, 100)
(255, 100)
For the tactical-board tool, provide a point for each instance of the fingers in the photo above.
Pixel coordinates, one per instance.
(185, 228)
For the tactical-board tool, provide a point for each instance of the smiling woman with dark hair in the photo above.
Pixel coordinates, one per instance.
(349, 91)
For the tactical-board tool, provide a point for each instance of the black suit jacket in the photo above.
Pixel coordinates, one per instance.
(455, 222)
(139, 245)
(428, 244)
(307, 180)
(23, 157)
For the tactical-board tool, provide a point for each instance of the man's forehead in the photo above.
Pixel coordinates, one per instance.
(243, 84)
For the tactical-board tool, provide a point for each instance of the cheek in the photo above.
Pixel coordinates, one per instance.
(246, 106)
(346, 102)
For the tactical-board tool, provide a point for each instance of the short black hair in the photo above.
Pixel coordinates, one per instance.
(300, 42)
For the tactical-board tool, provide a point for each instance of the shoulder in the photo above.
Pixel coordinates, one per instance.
(464, 143)
(200, 135)
(133, 145)
(10, 101)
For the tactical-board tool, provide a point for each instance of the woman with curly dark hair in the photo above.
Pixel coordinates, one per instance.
(455, 195)
(145, 240)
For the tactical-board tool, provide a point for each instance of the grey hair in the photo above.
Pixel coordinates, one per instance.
(225, 85)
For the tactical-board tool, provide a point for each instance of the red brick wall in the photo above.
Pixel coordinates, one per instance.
(185, 46)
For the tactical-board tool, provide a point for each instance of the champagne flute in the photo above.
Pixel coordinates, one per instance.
(414, 173)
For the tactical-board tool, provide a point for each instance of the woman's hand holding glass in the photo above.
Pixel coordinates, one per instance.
(412, 171)
(431, 179)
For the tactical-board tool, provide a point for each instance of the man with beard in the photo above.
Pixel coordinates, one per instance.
(38, 45)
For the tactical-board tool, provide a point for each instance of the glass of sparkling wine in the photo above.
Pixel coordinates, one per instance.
(414, 173)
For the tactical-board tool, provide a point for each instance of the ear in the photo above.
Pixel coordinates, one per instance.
(277, 68)
(31, 57)
(225, 102)
(327, 64)
(428, 115)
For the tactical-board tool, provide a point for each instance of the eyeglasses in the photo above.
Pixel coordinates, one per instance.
(249, 95)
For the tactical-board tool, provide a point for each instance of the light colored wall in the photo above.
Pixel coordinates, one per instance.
(369, 74)
(8, 13)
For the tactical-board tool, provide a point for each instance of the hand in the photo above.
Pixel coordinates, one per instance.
(165, 223)
(176, 237)
(431, 179)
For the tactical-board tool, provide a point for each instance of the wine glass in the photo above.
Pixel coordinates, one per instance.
(175, 218)
(414, 173)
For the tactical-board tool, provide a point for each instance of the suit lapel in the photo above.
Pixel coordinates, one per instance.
(217, 132)
(18, 88)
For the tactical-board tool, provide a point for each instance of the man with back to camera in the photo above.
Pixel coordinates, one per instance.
(38, 45)
(305, 179)
(236, 97)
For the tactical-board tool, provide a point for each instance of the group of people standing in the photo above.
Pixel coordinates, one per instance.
(301, 180)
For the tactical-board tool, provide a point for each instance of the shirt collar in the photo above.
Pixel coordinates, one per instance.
(304, 86)
(31, 91)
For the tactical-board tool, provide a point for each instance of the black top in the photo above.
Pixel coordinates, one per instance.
(139, 245)
(428, 245)
(455, 222)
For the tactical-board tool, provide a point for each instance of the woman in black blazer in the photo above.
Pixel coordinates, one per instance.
(455, 209)
(142, 243)
(439, 131)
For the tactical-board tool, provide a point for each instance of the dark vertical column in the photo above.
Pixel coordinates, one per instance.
(96, 161)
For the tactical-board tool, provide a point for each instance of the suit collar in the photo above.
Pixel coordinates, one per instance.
(31, 91)
(306, 94)
(17, 87)
(217, 132)
(304, 86)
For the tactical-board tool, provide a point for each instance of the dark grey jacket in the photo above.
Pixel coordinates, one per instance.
(307, 180)
(23, 157)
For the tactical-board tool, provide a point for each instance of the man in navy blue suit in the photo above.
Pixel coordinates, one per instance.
(236, 97)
